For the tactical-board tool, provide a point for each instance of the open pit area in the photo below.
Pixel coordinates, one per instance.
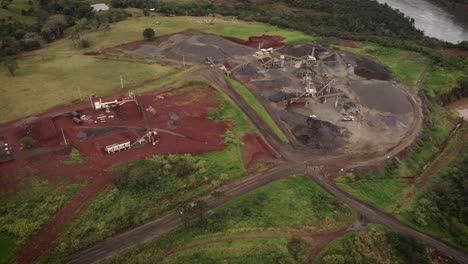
(326, 102)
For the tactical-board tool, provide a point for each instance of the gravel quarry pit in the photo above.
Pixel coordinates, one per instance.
(382, 111)
(193, 49)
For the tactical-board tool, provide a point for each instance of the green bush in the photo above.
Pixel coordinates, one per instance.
(149, 33)
(84, 43)
(27, 143)
(154, 173)
(74, 158)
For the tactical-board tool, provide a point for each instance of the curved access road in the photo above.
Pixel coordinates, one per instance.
(315, 169)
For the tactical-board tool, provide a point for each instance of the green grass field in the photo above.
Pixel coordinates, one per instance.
(41, 85)
(439, 81)
(166, 80)
(382, 194)
(24, 213)
(258, 29)
(255, 104)
(375, 244)
(8, 245)
(253, 250)
(254, 228)
(405, 66)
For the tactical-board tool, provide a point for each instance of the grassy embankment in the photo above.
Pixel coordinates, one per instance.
(269, 224)
(375, 244)
(24, 213)
(405, 66)
(438, 206)
(257, 107)
(118, 208)
(441, 81)
(60, 71)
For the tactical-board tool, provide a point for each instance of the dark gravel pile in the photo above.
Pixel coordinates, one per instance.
(371, 70)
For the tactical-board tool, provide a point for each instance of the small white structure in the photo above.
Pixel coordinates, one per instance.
(100, 7)
(118, 147)
(104, 105)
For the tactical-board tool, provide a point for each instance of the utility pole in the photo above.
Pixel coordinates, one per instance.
(91, 100)
(64, 139)
(183, 59)
(121, 81)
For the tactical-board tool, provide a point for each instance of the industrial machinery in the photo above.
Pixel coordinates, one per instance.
(148, 137)
(100, 105)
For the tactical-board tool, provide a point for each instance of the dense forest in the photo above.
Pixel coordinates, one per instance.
(53, 17)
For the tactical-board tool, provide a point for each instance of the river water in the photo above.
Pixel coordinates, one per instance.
(436, 21)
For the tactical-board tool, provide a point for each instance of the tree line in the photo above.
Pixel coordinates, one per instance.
(53, 18)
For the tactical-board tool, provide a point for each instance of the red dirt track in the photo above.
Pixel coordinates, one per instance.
(194, 134)
(255, 150)
(453, 52)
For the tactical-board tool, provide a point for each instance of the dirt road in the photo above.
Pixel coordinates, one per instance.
(315, 168)
(233, 190)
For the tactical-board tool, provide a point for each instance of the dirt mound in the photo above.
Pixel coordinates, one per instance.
(265, 41)
(92, 53)
(371, 70)
(255, 150)
(197, 48)
(319, 134)
(281, 96)
(249, 70)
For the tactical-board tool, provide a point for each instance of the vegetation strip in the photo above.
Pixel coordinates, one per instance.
(259, 109)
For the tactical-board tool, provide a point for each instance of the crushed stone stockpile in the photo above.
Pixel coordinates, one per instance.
(301, 50)
(371, 70)
(192, 48)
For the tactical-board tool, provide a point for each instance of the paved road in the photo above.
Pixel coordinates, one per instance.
(311, 168)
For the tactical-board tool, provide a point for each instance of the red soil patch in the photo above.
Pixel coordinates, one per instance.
(255, 150)
(350, 43)
(130, 111)
(449, 52)
(254, 41)
(194, 134)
